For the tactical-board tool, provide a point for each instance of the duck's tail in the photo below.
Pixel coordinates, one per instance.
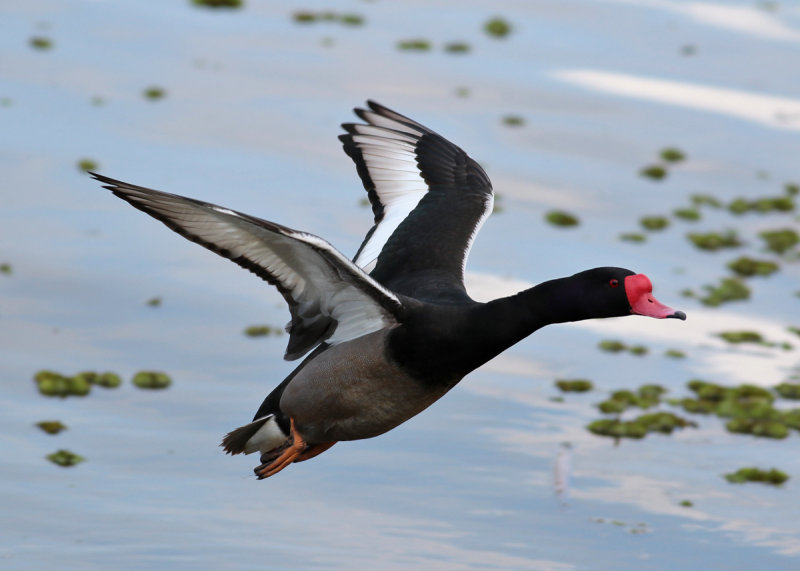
(277, 448)
(262, 435)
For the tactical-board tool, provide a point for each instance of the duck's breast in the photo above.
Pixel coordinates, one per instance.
(353, 391)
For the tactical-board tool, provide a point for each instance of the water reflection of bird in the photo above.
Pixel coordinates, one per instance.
(393, 330)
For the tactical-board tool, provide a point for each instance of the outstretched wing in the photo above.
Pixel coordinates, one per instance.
(329, 297)
(428, 196)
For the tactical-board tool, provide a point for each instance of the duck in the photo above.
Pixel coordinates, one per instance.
(388, 333)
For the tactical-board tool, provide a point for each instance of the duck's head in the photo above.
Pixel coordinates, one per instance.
(615, 292)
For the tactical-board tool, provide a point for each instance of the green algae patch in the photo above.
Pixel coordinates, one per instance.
(634, 237)
(6, 269)
(154, 302)
(574, 385)
(686, 503)
(154, 93)
(729, 289)
(638, 350)
(51, 426)
(52, 384)
(646, 396)
(654, 172)
(791, 189)
(87, 165)
(40, 43)
(262, 331)
(497, 27)
(758, 427)
(612, 346)
(713, 241)
(106, 380)
(773, 476)
(346, 19)
(415, 45)
(513, 121)
(653, 223)
(152, 380)
(762, 205)
(457, 48)
(706, 200)
(748, 267)
(674, 354)
(230, 4)
(742, 337)
(690, 214)
(561, 218)
(789, 391)
(65, 458)
(672, 155)
(663, 422)
(780, 241)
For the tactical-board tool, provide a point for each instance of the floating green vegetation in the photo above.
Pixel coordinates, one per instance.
(5, 269)
(151, 380)
(652, 223)
(742, 337)
(416, 45)
(634, 237)
(612, 346)
(51, 426)
(87, 165)
(772, 476)
(672, 155)
(561, 218)
(654, 172)
(262, 330)
(749, 409)
(762, 205)
(791, 189)
(780, 241)
(688, 50)
(309, 17)
(154, 93)
(690, 214)
(462, 91)
(513, 121)
(98, 101)
(706, 200)
(686, 503)
(40, 43)
(789, 391)
(646, 396)
(663, 422)
(154, 302)
(748, 267)
(713, 241)
(457, 48)
(52, 384)
(219, 3)
(497, 27)
(574, 385)
(675, 354)
(729, 289)
(65, 458)
(106, 380)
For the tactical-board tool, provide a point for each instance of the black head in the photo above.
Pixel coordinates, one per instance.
(615, 292)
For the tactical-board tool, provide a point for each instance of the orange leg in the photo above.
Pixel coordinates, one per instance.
(314, 450)
(295, 450)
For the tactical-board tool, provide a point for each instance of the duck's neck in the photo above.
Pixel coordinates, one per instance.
(503, 322)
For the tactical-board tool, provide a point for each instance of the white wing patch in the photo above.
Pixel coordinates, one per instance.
(388, 149)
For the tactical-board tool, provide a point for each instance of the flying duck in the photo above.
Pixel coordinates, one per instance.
(390, 332)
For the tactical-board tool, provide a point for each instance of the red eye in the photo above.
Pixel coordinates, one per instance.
(614, 283)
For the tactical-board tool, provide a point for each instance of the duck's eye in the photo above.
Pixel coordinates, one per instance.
(614, 283)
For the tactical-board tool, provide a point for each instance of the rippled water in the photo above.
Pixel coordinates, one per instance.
(496, 474)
